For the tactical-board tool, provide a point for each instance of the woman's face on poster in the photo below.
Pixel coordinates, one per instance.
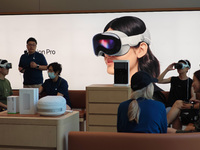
(132, 55)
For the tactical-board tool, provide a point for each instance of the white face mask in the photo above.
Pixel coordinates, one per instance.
(51, 75)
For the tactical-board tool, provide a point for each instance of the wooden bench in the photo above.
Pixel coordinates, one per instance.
(131, 141)
(78, 103)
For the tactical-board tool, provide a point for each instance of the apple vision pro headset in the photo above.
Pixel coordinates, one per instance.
(181, 65)
(117, 43)
(5, 65)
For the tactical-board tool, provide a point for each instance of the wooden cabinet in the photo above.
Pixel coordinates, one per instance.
(102, 103)
(28, 132)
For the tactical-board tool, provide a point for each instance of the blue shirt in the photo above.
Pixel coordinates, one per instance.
(152, 117)
(32, 75)
(52, 88)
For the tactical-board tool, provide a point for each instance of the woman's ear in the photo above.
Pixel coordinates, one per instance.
(141, 50)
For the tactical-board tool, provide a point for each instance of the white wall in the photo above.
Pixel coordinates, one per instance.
(175, 35)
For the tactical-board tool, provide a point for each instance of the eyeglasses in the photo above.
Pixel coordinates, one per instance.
(31, 45)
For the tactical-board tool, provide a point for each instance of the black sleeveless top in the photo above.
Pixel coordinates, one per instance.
(180, 90)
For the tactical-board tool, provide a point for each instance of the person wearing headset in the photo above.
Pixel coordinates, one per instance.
(127, 38)
(5, 86)
(32, 64)
(181, 90)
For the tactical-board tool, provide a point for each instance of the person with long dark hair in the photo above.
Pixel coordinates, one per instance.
(127, 38)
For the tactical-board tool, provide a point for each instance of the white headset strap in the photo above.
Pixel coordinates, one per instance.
(135, 39)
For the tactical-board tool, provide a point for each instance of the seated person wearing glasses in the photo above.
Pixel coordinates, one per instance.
(5, 86)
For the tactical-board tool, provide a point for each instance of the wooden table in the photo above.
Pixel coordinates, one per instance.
(36, 132)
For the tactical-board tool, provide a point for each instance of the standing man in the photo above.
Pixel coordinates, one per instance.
(32, 64)
(5, 87)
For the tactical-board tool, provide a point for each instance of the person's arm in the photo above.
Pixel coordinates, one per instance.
(43, 64)
(162, 75)
(187, 105)
(195, 104)
(21, 65)
(62, 90)
(42, 67)
(190, 127)
(22, 70)
(193, 99)
(3, 105)
(59, 94)
(193, 95)
(171, 130)
(190, 105)
(40, 89)
(37, 66)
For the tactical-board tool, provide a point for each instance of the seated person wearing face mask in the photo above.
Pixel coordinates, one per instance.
(55, 85)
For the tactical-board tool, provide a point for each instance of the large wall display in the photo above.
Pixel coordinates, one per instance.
(67, 39)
